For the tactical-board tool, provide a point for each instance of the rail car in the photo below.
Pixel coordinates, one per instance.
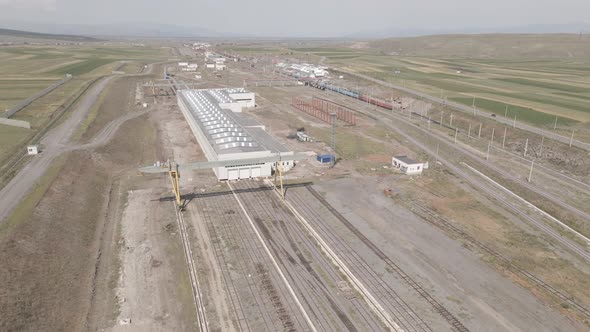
(350, 93)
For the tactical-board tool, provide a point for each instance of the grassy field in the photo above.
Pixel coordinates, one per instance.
(537, 76)
(25, 70)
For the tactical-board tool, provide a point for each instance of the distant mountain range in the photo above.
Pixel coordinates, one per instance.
(120, 30)
(145, 30)
(521, 46)
(37, 35)
(526, 29)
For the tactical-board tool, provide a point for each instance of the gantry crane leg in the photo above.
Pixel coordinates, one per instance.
(278, 170)
(174, 176)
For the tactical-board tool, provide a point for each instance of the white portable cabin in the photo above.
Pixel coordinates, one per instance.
(32, 150)
(407, 165)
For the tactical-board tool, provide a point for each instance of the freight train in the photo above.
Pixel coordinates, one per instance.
(350, 93)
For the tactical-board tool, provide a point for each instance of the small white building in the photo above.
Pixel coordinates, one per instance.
(32, 150)
(182, 64)
(210, 65)
(407, 165)
(219, 66)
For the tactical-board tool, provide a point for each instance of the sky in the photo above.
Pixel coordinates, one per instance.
(302, 18)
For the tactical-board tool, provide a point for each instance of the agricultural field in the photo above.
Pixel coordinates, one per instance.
(26, 70)
(522, 76)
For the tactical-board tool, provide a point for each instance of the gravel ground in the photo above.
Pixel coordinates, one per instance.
(482, 298)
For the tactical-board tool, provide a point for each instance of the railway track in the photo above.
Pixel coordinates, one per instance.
(444, 224)
(403, 314)
(439, 308)
(219, 234)
(566, 242)
(445, 139)
(192, 269)
(276, 312)
(268, 284)
(287, 240)
(579, 185)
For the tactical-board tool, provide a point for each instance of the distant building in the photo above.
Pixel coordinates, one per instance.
(407, 165)
(32, 150)
(210, 65)
(219, 66)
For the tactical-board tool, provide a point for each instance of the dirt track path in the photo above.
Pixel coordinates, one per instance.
(56, 143)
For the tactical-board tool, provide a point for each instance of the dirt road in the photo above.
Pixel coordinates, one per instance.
(54, 144)
(22, 183)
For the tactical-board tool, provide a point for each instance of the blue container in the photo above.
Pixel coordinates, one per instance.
(325, 158)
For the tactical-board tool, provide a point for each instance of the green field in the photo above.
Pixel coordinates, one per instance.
(25, 70)
(81, 68)
(538, 86)
(537, 76)
(510, 111)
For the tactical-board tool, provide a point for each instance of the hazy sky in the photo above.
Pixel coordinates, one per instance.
(303, 17)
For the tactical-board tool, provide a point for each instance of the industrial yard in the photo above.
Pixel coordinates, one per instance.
(204, 187)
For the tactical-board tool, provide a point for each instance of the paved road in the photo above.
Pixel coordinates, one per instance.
(467, 109)
(55, 143)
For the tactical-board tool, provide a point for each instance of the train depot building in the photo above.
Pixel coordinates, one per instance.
(224, 132)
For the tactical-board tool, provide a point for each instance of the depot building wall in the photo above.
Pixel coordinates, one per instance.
(245, 171)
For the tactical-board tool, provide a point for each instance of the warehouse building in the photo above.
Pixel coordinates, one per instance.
(224, 132)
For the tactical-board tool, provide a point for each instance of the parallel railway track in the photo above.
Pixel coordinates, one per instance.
(438, 307)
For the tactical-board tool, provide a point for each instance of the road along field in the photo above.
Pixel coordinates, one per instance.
(26, 70)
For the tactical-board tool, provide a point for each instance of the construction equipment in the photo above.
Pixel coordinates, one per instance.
(173, 169)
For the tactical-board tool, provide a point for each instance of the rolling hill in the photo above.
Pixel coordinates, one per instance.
(37, 35)
(574, 46)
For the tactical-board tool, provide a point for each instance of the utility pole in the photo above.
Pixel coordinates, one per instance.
(531, 171)
(493, 132)
(451, 121)
(488, 153)
(429, 121)
(504, 139)
(437, 145)
(333, 138)
(479, 133)
(469, 131)
(541, 150)
(456, 131)
(572, 138)
(555, 124)
(506, 112)
(526, 145)
(514, 123)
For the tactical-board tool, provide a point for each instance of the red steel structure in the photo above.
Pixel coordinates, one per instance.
(322, 108)
(343, 113)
